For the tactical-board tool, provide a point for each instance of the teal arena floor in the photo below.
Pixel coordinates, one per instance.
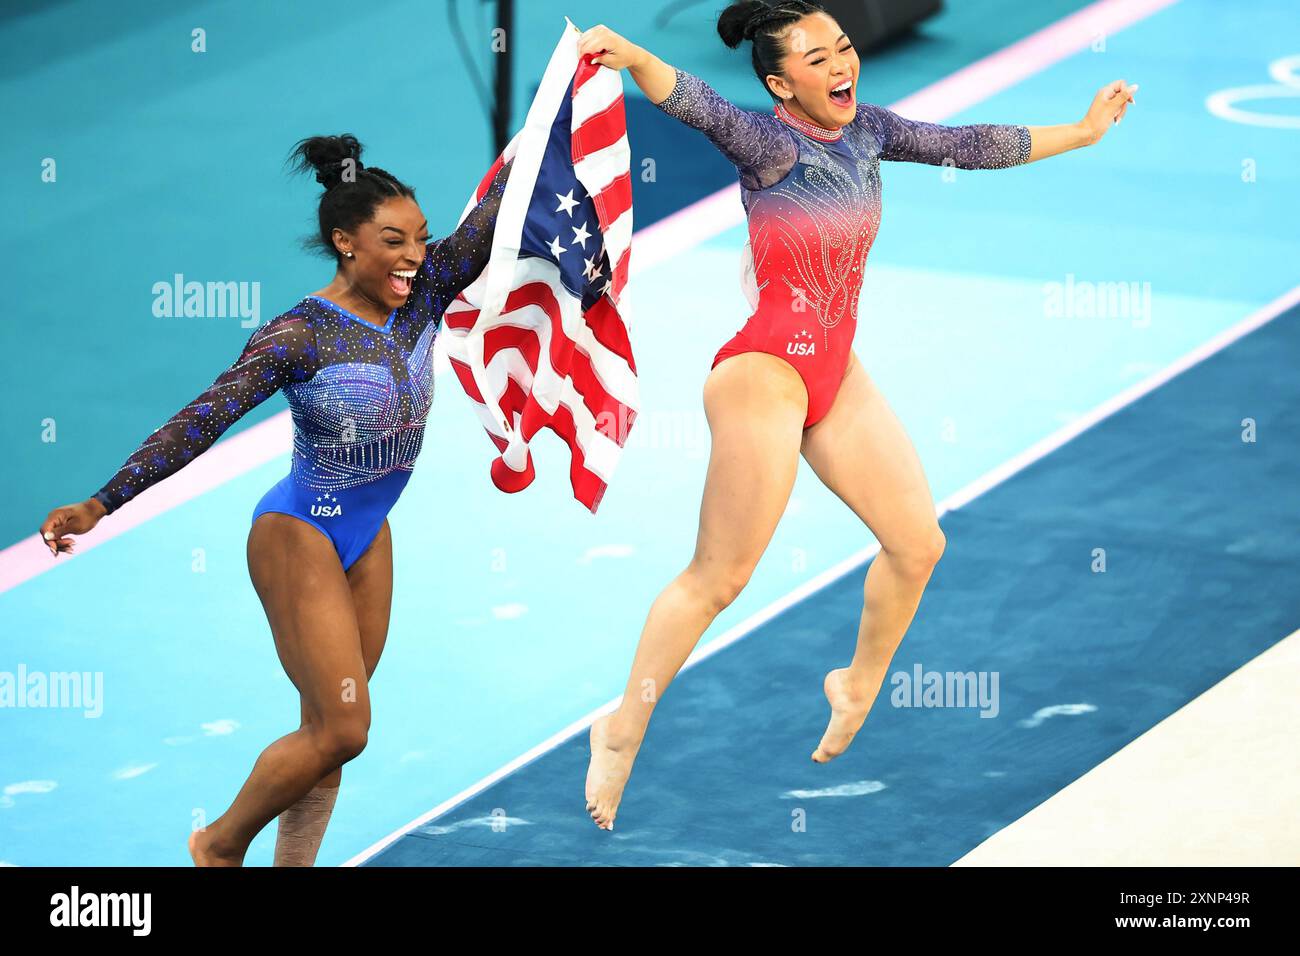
(1046, 433)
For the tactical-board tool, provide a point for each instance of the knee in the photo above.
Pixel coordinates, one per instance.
(918, 555)
(339, 742)
(717, 588)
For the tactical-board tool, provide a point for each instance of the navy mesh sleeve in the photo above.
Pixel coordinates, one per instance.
(453, 263)
(278, 353)
(979, 146)
(758, 145)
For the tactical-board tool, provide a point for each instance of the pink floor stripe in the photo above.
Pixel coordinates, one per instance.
(221, 463)
(1034, 53)
(698, 222)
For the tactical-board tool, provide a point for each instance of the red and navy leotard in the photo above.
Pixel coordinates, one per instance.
(359, 395)
(812, 197)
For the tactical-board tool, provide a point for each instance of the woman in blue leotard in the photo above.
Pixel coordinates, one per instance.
(355, 361)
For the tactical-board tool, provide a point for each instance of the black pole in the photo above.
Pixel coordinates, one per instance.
(504, 77)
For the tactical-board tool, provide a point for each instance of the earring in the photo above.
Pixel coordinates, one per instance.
(348, 254)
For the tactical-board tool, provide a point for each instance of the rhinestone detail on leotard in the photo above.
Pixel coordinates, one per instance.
(359, 394)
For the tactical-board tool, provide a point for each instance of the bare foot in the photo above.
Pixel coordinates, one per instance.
(849, 708)
(203, 854)
(607, 774)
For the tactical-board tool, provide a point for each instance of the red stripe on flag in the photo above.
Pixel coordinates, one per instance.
(503, 337)
(602, 130)
(460, 320)
(586, 70)
(614, 200)
(620, 271)
(606, 324)
(587, 486)
(509, 480)
(466, 378)
(513, 401)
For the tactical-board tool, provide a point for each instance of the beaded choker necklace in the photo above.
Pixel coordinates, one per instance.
(803, 126)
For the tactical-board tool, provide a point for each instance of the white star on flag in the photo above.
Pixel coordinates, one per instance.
(567, 202)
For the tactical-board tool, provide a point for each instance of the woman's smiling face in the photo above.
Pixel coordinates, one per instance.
(821, 72)
(388, 250)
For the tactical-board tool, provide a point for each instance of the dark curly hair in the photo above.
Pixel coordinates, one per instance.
(352, 190)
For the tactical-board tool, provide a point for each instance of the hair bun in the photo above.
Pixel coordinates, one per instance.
(326, 156)
(330, 175)
(742, 21)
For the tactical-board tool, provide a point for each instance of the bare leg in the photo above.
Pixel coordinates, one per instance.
(301, 828)
(861, 452)
(756, 405)
(302, 586)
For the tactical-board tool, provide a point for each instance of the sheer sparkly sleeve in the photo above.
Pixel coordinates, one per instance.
(452, 263)
(759, 146)
(278, 353)
(979, 146)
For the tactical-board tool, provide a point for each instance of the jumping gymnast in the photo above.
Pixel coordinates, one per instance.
(788, 382)
(355, 361)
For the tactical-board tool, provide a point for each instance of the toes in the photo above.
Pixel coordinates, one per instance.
(602, 817)
(826, 752)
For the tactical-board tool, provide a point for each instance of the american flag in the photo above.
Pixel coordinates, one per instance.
(540, 339)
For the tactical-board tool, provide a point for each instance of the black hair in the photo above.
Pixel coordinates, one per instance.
(352, 190)
(762, 23)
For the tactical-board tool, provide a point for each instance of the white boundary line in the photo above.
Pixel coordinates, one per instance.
(954, 501)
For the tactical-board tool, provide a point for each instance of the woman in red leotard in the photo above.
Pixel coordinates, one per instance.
(788, 383)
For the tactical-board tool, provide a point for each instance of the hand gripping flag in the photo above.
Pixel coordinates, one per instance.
(540, 338)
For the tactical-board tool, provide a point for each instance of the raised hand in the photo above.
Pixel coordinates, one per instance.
(1108, 108)
(611, 50)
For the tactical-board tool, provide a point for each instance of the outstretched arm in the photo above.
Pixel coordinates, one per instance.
(757, 145)
(992, 146)
(278, 353)
(978, 146)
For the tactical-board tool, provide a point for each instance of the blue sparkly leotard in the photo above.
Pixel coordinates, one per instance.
(813, 200)
(359, 395)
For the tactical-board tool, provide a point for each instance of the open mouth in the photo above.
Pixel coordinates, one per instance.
(842, 95)
(400, 280)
